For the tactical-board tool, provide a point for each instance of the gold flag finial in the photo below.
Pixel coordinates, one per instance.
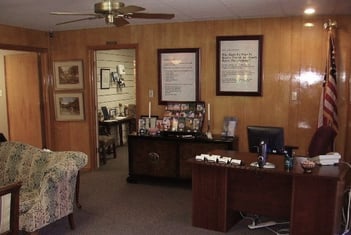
(330, 25)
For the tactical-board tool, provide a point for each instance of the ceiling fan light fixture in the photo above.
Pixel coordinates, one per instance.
(115, 12)
(108, 7)
(109, 19)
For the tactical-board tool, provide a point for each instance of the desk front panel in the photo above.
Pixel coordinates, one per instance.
(255, 191)
(318, 201)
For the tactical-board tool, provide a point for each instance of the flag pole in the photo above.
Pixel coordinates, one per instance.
(328, 104)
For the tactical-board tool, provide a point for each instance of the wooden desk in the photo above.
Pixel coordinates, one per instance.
(117, 123)
(312, 202)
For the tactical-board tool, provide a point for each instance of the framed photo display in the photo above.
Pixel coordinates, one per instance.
(239, 65)
(69, 106)
(178, 72)
(68, 74)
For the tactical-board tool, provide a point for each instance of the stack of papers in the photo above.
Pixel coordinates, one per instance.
(328, 159)
(225, 160)
(235, 162)
(217, 158)
(213, 158)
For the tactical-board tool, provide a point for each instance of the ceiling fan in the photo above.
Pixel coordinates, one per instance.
(114, 13)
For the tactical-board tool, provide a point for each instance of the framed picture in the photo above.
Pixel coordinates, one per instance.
(178, 72)
(149, 122)
(68, 74)
(105, 78)
(69, 106)
(113, 113)
(239, 65)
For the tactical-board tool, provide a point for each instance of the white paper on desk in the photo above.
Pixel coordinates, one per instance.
(110, 120)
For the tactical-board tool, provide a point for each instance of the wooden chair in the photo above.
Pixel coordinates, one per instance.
(13, 190)
(107, 143)
(322, 141)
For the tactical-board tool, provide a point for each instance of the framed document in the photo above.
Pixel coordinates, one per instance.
(178, 71)
(239, 65)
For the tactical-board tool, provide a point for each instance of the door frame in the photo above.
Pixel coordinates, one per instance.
(93, 93)
(45, 100)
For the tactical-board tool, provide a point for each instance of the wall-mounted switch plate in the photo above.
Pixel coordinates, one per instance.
(151, 93)
(294, 95)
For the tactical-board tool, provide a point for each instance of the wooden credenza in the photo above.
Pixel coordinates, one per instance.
(167, 157)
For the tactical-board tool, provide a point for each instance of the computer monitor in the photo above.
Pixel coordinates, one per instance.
(105, 112)
(272, 136)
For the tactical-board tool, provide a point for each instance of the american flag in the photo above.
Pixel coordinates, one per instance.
(328, 112)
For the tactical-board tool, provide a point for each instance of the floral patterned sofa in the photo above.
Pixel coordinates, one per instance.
(48, 182)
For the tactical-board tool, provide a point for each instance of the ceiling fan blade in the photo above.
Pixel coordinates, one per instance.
(152, 15)
(88, 18)
(130, 9)
(118, 21)
(72, 13)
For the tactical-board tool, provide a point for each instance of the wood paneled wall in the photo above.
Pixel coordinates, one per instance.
(293, 61)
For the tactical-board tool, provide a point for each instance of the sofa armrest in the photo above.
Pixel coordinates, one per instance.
(80, 159)
(64, 171)
(55, 196)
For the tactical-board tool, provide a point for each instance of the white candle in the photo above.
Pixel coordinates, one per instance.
(149, 109)
(209, 112)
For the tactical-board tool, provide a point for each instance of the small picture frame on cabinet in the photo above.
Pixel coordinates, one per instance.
(149, 122)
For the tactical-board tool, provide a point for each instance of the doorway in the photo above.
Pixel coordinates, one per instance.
(120, 63)
(21, 97)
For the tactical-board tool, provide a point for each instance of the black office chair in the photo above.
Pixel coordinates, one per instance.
(2, 138)
(322, 141)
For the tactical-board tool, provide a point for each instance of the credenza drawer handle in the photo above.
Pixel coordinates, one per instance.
(154, 156)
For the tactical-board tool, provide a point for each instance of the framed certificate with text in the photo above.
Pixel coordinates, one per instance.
(178, 72)
(239, 65)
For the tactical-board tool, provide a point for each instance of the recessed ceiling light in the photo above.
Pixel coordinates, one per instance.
(308, 24)
(309, 11)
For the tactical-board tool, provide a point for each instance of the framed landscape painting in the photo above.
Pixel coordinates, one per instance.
(68, 74)
(69, 106)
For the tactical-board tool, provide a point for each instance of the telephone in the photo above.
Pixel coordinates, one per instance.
(330, 158)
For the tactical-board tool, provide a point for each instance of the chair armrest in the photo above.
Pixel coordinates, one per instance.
(61, 171)
(10, 188)
(13, 190)
(80, 159)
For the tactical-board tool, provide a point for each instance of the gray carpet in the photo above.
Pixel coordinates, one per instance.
(110, 205)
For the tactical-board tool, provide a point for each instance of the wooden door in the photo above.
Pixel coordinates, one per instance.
(23, 98)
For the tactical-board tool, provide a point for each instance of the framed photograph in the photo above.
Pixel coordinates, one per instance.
(178, 72)
(69, 106)
(113, 113)
(68, 74)
(149, 122)
(239, 65)
(105, 78)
